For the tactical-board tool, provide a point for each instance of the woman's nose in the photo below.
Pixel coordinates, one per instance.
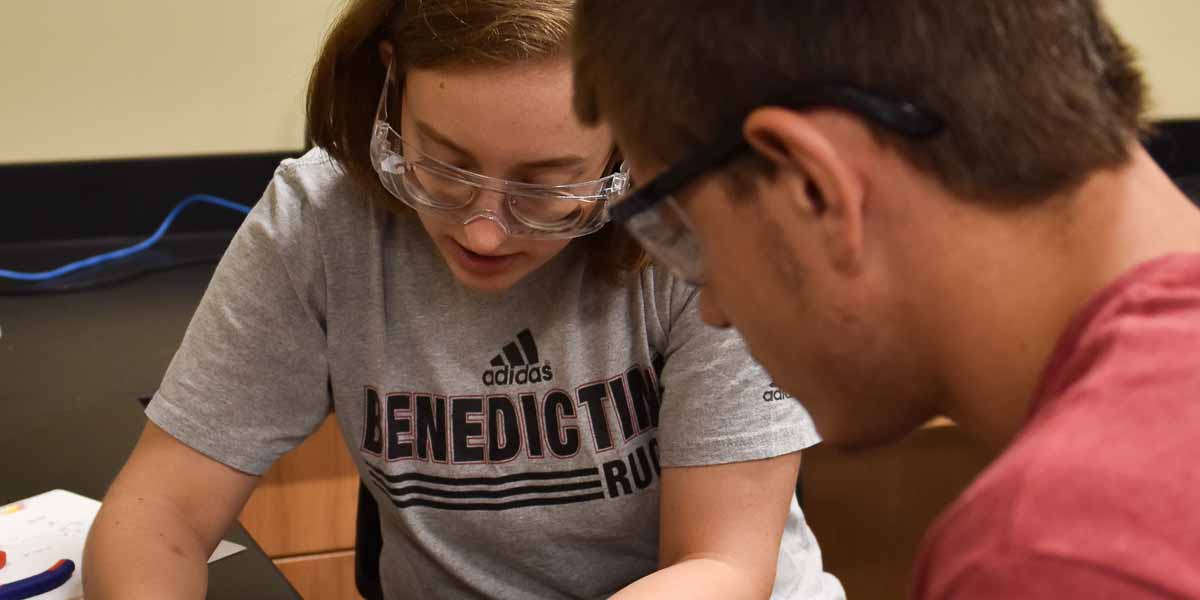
(484, 235)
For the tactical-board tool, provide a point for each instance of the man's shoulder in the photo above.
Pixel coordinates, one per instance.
(1086, 493)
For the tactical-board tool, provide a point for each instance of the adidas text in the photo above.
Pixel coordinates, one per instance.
(518, 375)
(774, 394)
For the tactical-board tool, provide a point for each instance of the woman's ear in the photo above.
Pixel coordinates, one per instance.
(386, 52)
(825, 186)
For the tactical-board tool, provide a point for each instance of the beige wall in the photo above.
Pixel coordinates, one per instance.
(86, 79)
(1166, 34)
(116, 78)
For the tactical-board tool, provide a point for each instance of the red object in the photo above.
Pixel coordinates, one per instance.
(1097, 495)
(3, 559)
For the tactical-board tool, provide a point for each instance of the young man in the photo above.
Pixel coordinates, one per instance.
(919, 207)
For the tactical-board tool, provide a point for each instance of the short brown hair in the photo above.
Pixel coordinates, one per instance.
(1036, 94)
(349, 74)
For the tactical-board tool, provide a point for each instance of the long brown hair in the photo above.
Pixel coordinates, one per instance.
(349, 73)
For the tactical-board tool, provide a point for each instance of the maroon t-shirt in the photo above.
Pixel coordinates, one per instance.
(1098, 496)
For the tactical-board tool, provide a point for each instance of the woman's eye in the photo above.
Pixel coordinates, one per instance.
(550, 178)
(443, 164)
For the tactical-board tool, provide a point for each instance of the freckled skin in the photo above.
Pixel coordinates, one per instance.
(503, 117)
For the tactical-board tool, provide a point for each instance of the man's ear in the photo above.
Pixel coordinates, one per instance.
(827, 187)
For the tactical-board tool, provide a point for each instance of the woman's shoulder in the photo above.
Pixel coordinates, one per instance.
(670, 295)
(316, 177)
(314, 190)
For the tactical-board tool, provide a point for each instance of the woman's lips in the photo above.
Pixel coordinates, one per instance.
(480, 264)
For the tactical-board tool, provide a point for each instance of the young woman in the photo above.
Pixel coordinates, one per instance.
(536, 413)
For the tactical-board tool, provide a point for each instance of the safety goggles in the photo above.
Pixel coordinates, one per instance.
(652, 215)
(525, 210)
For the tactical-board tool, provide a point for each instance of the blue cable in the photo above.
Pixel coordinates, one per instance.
(124, 252)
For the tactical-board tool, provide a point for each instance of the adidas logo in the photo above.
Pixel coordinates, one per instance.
(517, 364)
(774, 394)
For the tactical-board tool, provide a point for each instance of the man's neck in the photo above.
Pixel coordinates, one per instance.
(1026, 273)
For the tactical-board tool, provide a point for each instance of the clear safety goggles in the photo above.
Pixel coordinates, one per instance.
(525, 210)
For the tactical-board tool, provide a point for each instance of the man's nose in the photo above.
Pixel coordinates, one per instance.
(709, 311)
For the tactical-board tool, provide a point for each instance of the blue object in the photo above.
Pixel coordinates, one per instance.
(124, 252)
(39, 584)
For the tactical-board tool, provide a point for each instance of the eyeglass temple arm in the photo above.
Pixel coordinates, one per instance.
(675, 178)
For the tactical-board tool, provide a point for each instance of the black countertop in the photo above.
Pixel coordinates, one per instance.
(72, 367)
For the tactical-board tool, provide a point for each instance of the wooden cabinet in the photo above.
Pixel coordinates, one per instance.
(302, 514)
(870, 509)
(322, 576)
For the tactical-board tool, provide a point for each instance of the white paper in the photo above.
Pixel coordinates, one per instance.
(37, 532)
(224, 549)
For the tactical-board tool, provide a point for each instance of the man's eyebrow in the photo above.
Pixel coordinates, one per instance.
(557, 162)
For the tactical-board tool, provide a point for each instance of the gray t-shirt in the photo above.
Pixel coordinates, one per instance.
(513, 442)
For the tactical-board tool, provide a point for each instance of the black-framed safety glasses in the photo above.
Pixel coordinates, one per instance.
(654, 218)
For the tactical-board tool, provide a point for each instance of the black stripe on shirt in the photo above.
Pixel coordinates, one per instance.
(527, 476)
(496, 506)
(513, 354)
(528, 346)
(396, 492)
